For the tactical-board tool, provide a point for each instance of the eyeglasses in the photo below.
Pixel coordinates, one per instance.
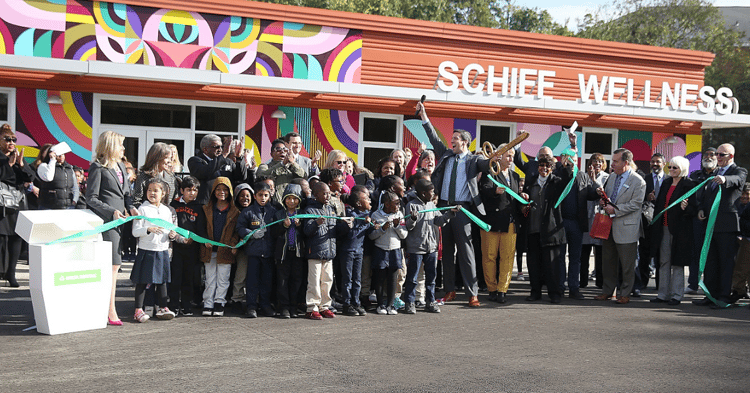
(718, 154)
(673, 167)
(10, 139)
(280, 149)
(340, 162)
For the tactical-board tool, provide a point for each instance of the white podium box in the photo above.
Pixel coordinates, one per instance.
(70, 282)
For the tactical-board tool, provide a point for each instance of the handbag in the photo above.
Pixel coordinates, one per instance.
(10, 197)
(601, 227)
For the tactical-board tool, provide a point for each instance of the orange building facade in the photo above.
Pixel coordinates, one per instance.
(175, 71)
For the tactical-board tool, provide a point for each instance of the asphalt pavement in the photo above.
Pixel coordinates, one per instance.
(576, 346)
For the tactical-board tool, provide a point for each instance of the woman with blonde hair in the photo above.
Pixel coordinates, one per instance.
(176, 163)
(14, 173)
(337, 159)
(108, 195)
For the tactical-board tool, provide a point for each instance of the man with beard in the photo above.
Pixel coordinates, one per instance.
(708, 169)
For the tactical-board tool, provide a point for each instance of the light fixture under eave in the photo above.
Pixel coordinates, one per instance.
(278, 114)
(671, 140)
(54, 100)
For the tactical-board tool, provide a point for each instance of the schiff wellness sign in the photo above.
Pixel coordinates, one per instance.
(511, 82)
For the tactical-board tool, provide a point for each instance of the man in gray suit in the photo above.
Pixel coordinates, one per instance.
(626, 189)
(455, 180)
(294, 142)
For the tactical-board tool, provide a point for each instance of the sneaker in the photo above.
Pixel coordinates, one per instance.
(373, 298)
(398, 303)
(381, 310)
(218, 310)
(361, 311)
(313, 315)
(186, 311)
(410, 308)
(285, 314)
(327, 314)
(520, 277)
(164, 313)
(207, 311)
(141, 316)
(349, 310)
(432, 307)
(420, 303)
(149, 310)
(392, 311)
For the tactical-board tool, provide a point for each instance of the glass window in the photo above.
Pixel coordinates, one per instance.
(496, 135)
(145, 114)
(373, 155)
(4, 107)
(216, 119)
(131, 150)
(380, 130)
(598, 143)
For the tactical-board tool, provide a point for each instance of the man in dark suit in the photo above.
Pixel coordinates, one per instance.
(730, 178)
(216, 160)
(455, 180)
(708, 169)
(653, 185)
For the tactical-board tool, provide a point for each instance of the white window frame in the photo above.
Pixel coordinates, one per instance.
(11, 92)
(98, 127)
(362, 144)
(513, 127)
(594, 130)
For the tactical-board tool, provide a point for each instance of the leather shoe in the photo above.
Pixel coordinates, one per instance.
(493, 296)
(555, 300)
(576, 296)
(474, 302)
(703, 302)
(623, 300)
(673, 302)
(501, 298)
(533, 298)
(657, 300)
(602, 297)
(450, 296)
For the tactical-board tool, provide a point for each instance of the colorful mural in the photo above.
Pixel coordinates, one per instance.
(120, 33)
(38, 122)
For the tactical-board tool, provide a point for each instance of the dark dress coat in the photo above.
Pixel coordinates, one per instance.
(680, 221)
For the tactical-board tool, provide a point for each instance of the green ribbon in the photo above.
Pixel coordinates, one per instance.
(472, 217)
(568, 187)
(508, 190)
(706, 245)
(190, 235)
(680, 199)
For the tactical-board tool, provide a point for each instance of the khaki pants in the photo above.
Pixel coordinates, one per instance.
(319, 283)
(502, 246)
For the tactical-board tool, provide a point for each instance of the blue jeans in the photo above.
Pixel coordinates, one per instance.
(258, 282)
(574, 236)
(351, 277)
(412, 271)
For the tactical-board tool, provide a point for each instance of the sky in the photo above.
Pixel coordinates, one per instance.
(572, 9)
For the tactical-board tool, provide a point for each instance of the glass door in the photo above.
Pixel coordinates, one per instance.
(181, 139)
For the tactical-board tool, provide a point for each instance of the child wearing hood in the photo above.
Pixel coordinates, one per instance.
(243, 197)
(221, 220)
(259, 249)
(289, 251)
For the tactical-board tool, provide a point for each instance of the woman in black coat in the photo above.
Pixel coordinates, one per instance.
(672, 233)
(14, 173)
(108, 195)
